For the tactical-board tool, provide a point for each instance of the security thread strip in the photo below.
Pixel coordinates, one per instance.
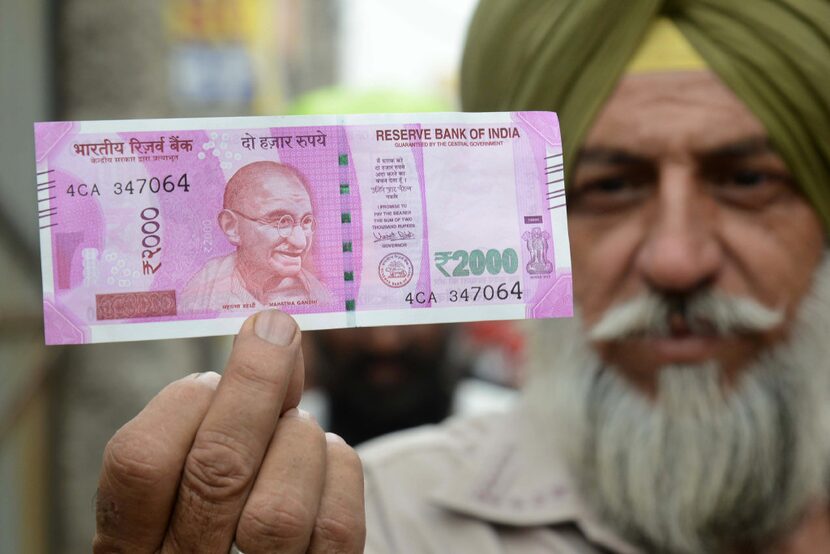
(346, 218)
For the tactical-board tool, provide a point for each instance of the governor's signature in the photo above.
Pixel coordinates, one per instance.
(394, 236)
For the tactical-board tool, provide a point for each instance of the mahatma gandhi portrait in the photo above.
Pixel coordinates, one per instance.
(267, 215)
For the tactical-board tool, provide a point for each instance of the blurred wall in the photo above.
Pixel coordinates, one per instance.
(111, 59)
(25, 79)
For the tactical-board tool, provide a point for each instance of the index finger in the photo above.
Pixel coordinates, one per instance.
(264, 370)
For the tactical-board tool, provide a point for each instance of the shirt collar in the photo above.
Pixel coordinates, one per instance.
(514, 476)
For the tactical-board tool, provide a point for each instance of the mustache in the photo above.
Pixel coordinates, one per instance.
(706, 312)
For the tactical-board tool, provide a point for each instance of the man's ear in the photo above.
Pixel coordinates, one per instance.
(229, 224)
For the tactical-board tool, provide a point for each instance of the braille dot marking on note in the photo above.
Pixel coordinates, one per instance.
(348, 276)
(343, 159)
(347, 246)
(346, 217)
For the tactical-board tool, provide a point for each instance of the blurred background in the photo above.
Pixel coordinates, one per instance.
(114, 59)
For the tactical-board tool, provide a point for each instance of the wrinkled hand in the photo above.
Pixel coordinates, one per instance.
(209, 462)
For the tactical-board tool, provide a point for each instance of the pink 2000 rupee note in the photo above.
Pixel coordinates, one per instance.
(184, 227)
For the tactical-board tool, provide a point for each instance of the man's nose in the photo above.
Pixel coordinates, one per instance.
(681, 250)
(297, 238)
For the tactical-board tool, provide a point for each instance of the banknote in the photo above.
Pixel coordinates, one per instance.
(184, 227)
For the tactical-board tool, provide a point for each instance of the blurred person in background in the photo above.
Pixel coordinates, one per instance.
(374, 381)
(685, 410)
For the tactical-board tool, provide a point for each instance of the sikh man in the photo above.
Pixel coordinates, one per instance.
(685, 411)
(267, 215)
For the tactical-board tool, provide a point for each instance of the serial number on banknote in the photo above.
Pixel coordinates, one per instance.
(153, 185)
(502, 291)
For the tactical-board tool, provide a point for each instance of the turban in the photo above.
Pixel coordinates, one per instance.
(567, 56)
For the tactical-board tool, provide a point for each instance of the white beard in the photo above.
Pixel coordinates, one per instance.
(698, 468)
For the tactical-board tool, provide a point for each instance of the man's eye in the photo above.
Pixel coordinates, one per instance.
(751, 188)
(611, 185)
(608, 194)
(749, 178)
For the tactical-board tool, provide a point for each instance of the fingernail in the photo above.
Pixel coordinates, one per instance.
(275, 327)
(334, 438)
(209, 376)
(298, 413)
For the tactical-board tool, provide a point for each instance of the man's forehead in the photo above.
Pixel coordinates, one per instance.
(695, 87)
(274, 191)
(683, 111)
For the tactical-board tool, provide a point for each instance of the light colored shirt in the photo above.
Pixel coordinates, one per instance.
(491, 484)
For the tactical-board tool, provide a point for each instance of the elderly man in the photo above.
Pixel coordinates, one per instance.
(267, 216)
(685, 411)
